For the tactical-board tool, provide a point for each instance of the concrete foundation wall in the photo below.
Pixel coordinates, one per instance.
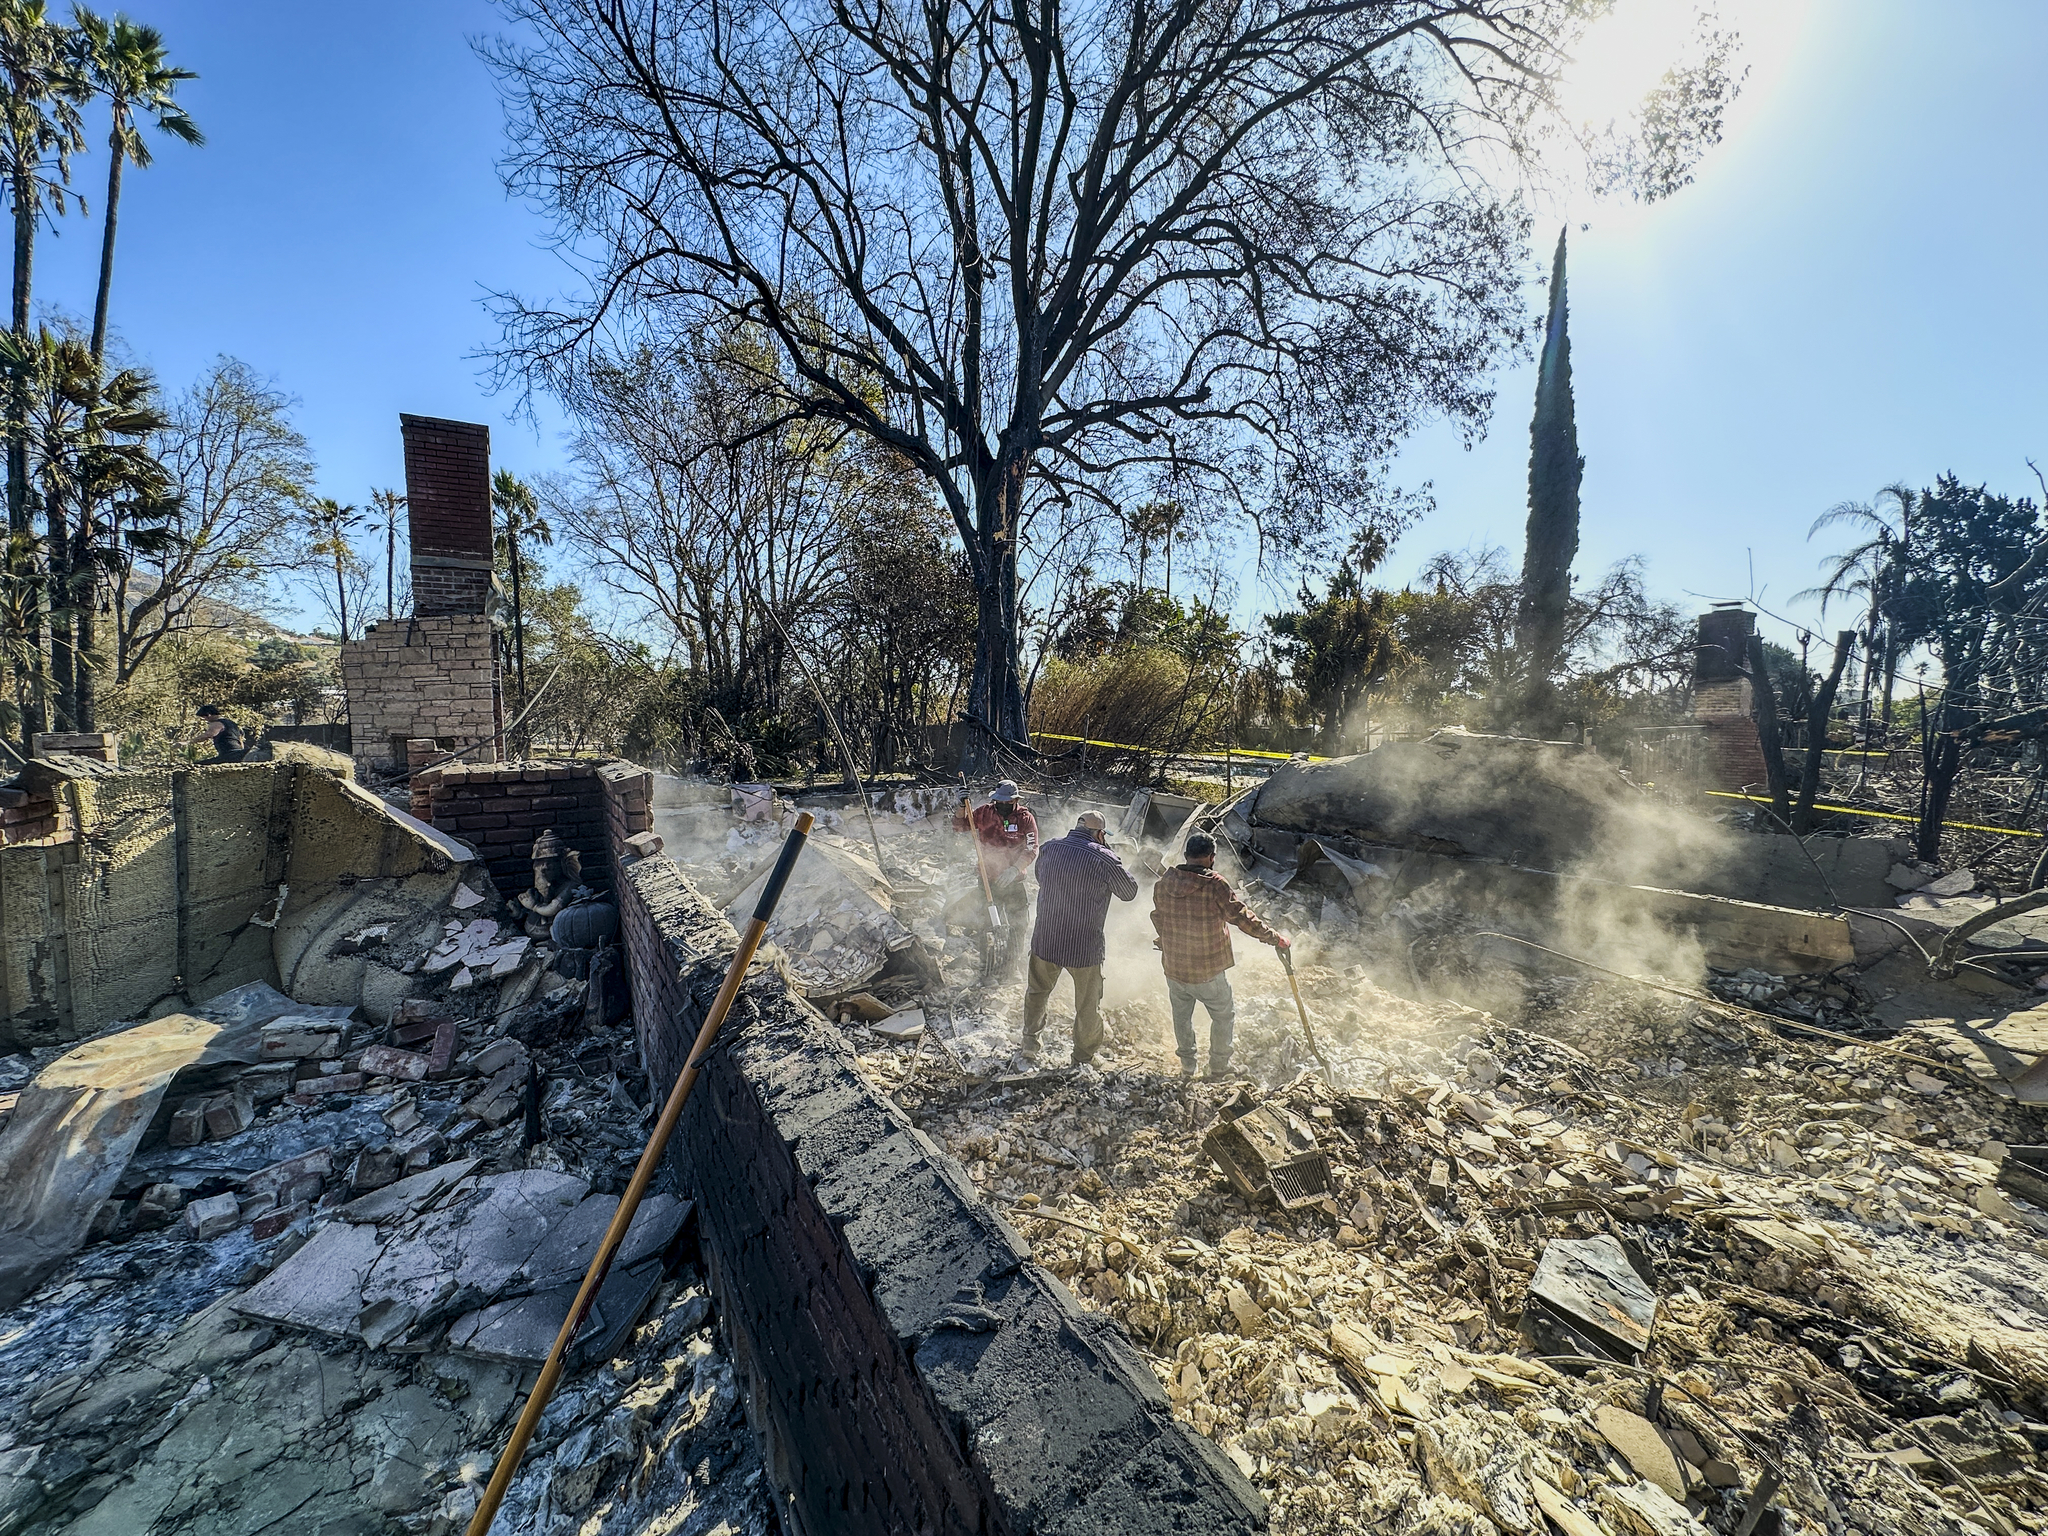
(355, 863)
(148, 898)
(168, 888)
(909, 1367)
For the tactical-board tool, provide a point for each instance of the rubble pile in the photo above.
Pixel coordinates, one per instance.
(327, 1263)
(1837, 1298)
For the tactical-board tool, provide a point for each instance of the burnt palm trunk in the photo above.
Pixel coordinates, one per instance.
(84, 689)
(63, 668)
(518, 637)
(99, 308)
(26, 207)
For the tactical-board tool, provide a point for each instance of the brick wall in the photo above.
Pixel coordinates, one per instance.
(500, 809)
(907, 1365)
(26, 816)
(1732, 757)
(422, 677)
(448, 509)
(628, 802)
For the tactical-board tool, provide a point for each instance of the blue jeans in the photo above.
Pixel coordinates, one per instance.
(1214, 995)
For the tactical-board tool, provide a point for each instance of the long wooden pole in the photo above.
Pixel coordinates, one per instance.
(643, 1175)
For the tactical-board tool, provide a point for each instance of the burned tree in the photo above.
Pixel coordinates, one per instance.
(1234, 250)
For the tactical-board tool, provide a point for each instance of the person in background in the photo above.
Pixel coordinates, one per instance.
(229, 746)
(1194, 909)
(1008, 838)
(1077, 875)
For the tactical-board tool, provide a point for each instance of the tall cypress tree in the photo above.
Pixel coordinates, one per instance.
(1555, 468)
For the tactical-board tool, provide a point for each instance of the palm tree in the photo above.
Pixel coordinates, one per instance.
(1874, 572)
(40, 88)
(86, 435)
(330, 523)
(124, 61)
(389, 504)
(519, 511)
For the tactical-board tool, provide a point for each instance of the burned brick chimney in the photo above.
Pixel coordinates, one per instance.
(431, 683)
(1722, 701)
(448, 506)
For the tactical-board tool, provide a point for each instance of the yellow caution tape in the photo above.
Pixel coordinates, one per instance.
(1125, 746)
(1850, 810)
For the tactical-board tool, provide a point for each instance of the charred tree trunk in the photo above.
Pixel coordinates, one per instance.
(1943, 761)
(995, 694)
(1764, 703)
(1817, 732)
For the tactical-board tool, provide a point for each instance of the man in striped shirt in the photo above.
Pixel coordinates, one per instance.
(1191, 906)
(1077, 875)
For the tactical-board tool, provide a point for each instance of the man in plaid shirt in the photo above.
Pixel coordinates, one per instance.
(1191, 907)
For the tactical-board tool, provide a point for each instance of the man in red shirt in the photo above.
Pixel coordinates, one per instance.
(1008, 838)
(1191, 906)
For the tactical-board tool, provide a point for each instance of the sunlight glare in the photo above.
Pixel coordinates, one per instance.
(1622, 58)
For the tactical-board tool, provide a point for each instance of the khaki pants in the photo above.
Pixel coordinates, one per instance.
(1038, 985)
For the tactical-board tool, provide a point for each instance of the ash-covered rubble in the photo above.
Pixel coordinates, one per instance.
(1845, 1299)
(1822, 1193)
(326, 1266)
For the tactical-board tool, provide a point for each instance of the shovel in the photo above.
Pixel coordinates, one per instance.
(1287, 960)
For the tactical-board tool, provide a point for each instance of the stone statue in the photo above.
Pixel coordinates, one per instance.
(557, 869)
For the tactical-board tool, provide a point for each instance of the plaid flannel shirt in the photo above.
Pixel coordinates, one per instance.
(1190, 908)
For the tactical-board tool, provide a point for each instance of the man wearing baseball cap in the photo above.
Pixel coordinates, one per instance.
(1008, 835)
(1077, 875)
(1194, 909)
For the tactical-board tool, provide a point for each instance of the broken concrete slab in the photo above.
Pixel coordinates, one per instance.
(480, 1243)
(409, 1196)
(568, 1248)
(523, 1329)
(321, 1286)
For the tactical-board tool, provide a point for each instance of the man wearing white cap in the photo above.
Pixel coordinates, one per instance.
(1008, 835)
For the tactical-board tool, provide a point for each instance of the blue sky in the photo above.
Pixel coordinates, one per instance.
(1849, 294)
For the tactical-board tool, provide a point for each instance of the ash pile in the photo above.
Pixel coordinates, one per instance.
(277, 1266)
(1547, 1285)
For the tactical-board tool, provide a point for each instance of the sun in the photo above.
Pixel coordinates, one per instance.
(1622, 58)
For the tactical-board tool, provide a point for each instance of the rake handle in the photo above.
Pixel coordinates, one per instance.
(643, 1175)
